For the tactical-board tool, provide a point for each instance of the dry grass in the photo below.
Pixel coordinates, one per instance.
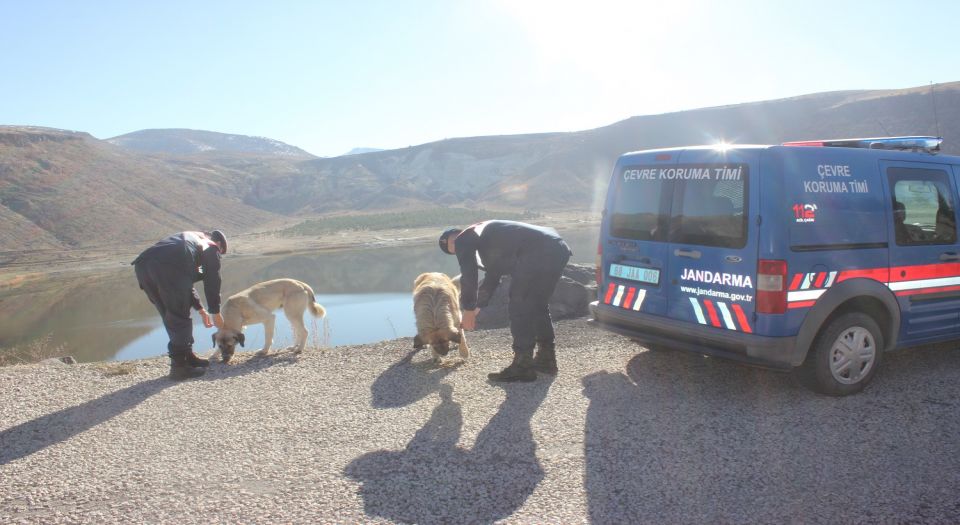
(116, 369)
(32, 352)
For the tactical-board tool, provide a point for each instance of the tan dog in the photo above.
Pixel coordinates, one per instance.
(256, 305)
(436, 304)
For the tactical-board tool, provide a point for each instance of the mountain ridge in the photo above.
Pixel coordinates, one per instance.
(62, 188)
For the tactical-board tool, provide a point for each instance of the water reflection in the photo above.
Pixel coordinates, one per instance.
(106, 316)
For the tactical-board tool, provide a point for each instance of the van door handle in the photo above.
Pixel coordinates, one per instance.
(693, 254)
(949, 256)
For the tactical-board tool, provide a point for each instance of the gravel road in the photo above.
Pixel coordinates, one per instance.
(375, 433)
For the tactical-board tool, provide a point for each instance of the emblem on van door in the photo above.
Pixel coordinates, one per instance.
(805, 212)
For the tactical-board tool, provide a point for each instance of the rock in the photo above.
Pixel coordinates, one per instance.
(59, 361)
(570, 298)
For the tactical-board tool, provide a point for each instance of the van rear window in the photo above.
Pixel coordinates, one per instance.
(703, 204)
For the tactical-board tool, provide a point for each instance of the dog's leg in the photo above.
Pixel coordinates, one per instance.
(268, 324)
(294, 311)
(464, 350)
(437, 358)
(299, 329)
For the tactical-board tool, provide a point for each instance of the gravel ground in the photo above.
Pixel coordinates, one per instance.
(375, 433)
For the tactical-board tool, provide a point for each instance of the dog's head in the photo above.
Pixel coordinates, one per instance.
(226, 341)
(439, 340)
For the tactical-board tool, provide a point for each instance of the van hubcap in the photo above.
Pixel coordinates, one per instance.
(852, 355)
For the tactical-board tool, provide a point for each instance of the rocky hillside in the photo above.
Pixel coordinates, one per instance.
(190, 141)
(67, 189)
(62, 188)
(568, 170)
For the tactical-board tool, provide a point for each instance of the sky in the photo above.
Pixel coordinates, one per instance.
(330, 76)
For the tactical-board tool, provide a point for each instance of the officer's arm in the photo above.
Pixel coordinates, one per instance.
(468, 278)
(210, 262)
(490, 282)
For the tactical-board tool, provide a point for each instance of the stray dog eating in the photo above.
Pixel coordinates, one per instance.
(256, 305)
(436, 304)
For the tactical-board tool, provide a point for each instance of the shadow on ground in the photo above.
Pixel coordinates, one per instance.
(406, 382)
(433, 480)
(685, 439)
(35, 435)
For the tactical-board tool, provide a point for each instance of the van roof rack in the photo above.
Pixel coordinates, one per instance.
(915, 143)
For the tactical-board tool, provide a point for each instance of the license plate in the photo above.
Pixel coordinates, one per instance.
(643, 275)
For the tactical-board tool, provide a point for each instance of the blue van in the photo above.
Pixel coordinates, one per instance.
(816, 256)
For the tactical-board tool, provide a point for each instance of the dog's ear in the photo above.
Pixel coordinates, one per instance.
(213, 337)
(241, 338)
(417, 342)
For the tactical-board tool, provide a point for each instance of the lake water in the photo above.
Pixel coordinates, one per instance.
(366, 292)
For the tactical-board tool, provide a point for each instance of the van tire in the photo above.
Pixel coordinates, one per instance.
(828, 369)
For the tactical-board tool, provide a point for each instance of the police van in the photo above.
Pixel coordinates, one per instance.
(816, 256)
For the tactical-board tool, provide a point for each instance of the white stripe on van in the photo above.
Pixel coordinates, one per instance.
(727, 318)
(641, 293)
(804, 295)
(830, 277)
(924, 283)
(807, 279)
(616, 300)
(698, 311)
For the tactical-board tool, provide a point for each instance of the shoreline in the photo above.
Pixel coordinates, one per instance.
(24, 268)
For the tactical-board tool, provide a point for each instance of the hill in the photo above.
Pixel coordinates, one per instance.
(62, 188)
(67, 189)
(189, 141)
(569, 170)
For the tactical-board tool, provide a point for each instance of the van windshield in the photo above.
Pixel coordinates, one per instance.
(703, 204)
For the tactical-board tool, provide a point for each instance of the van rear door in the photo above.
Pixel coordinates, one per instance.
(712, 249)
(634, 240)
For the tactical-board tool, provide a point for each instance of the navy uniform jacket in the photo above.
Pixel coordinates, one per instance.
(493, 246)
(193, 254)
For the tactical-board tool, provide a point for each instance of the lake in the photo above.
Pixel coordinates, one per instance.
(366, 292)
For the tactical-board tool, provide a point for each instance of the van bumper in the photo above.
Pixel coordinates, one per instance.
(769, 352)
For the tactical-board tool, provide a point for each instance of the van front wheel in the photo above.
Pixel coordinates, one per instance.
(845, 356)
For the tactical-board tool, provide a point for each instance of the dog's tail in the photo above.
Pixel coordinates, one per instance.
(315, 308)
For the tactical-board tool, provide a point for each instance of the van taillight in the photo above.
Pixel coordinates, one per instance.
(771, 287)
(599, 270)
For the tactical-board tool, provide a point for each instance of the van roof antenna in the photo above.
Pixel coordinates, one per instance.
(933, 99)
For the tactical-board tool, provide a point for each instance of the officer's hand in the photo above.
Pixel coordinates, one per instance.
(205, 317)
(218, 320)
(469, 320)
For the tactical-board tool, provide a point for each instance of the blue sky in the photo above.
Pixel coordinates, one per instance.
(328, 76)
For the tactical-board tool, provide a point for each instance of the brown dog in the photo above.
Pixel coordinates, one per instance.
(256, 305)
(436, 304)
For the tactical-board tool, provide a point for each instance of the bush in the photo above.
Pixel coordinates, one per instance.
(32, 352)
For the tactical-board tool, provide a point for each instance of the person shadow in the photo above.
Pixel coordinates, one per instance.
(407, 382)
(37, 434)
(433, 480)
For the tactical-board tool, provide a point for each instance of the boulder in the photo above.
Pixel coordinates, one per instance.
(570, 298)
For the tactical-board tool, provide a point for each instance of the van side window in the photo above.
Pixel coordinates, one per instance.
(923, 210)
(640, 208)
(711, 213)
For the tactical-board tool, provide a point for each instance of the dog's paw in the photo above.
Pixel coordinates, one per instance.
(263, 352)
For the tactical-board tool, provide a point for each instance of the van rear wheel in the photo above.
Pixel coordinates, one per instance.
(844, 356)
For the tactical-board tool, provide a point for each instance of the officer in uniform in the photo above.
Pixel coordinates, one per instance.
(166, 272)
(534, 258)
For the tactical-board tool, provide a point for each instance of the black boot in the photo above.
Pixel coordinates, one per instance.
(181, 369)
(546, 359)
(521, 369)
(195, 361)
